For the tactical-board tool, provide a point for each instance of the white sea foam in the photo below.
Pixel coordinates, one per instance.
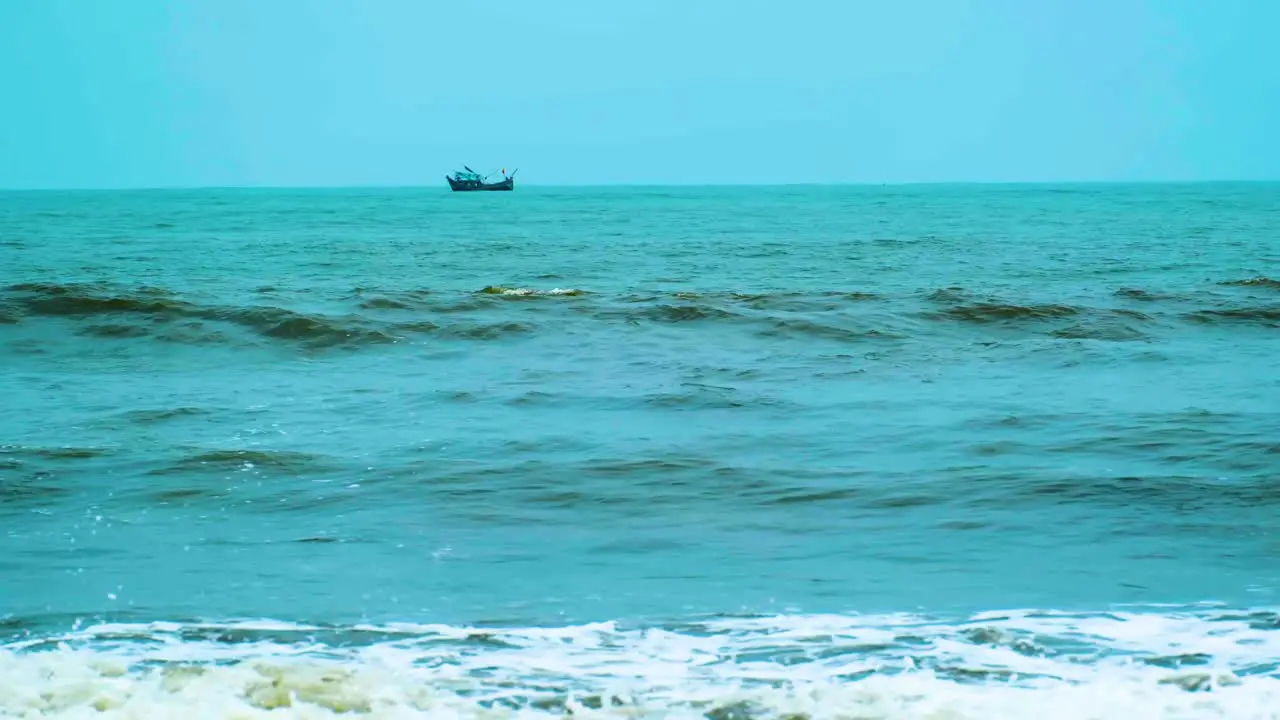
(1044, 665)
(525, 292)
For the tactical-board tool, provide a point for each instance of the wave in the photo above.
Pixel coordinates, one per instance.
(156, 305)
(682, 313)
(786, 301)
(1143, 295)
(222, 460)
(164, 317)
(315, 330)
(1174, 495)
(88, 299)
(1068, 322)
(521, 292)
(1265, 316)
(1257, 282)
(36, 492)
(1111, 329)
(160, 415)
(367, 317)
(1001, 312)
(799, 327)
(18, 452)
(1150, 663)
(33, 483)
(399, 300)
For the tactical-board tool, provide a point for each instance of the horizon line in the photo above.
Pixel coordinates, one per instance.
(552, 186)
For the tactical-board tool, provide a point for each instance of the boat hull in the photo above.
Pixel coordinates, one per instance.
(506, 185)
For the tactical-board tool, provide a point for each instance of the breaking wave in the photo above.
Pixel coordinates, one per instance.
(1153, 663)
(530, 292)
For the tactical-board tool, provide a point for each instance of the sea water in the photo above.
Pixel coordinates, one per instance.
(941, 452)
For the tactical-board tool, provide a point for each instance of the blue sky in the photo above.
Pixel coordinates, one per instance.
(149, 93)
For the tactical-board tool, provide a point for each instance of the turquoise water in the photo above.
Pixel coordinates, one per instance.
(865, 452)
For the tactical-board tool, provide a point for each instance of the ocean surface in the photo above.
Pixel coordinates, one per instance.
(934, 452)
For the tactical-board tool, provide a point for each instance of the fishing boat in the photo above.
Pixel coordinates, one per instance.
(468, 180)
